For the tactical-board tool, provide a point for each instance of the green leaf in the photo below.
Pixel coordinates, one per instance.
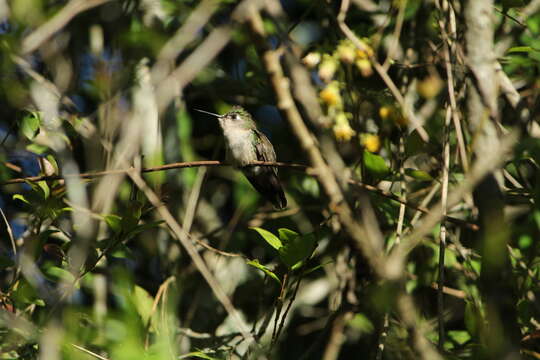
(143, 302)
(310, 186)
(520, 49)
(255, 263)
(37, 148)
(133, 215)
(376, 165)
(21, 197)
(114, 222)
(361, 323)
(296, 249)
(459, 336)
(418, 174)
(286, 235)
(53, 162)
(525, 241)
(315, 268)
(472, 318)
(270, 238)
(143, 227)
(58, 273)
(44, 188)
(30, 125)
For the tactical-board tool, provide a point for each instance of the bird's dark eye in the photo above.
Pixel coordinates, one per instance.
(236, 117)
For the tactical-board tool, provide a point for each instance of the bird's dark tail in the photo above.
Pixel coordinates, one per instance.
(269, 186)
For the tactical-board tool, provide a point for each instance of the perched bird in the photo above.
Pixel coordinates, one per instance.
(245, 144)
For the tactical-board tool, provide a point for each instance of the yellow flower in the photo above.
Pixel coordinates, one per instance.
(384, 112)
(365, 52)
(429, 87)
(312, 59)
(330, 94)
(328, 68)
(364, 66)
(342, 128)
(346, 52)
(371, 142)
(393, 114)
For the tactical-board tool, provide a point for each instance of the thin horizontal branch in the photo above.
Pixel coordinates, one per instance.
(180, 165)
(92, 175)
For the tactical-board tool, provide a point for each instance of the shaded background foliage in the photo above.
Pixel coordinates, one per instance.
(91, 270)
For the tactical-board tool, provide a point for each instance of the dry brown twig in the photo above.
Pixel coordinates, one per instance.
(33, 41)
(442, 234)
(447, 46)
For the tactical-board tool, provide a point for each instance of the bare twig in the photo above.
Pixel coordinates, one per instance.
(420, 208)
(442, 242)
(289, 305)
(394, 41)
(10, 233)
(162, 291)
(193, 199)
(530, 9)
(451, 93)
(91, 175)
(507, 88)
(33, 41)
(186, 34)
(91, 353)
(335, 341)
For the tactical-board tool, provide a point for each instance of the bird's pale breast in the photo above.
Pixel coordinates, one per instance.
(240, 145)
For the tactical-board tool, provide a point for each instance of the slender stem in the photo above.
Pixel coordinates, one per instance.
(442, 242)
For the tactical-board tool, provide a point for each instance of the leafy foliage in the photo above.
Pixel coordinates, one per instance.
(92, 266)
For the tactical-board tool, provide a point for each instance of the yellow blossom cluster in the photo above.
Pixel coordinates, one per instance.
(371, 142)
(393, 114)
(342, 129)
(327, 66)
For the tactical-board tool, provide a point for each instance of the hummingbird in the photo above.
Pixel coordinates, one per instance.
(244, 144)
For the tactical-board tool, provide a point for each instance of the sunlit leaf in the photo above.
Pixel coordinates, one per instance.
(270, 238)
(143, 302)
(44, 188)
(30, 125)
(459, 336)
(21, 198)
(418, 174)
(296, 248)
(59, 273)
(376, 165)
(255, 263)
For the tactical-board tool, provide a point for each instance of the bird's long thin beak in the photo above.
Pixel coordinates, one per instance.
(208, 112)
